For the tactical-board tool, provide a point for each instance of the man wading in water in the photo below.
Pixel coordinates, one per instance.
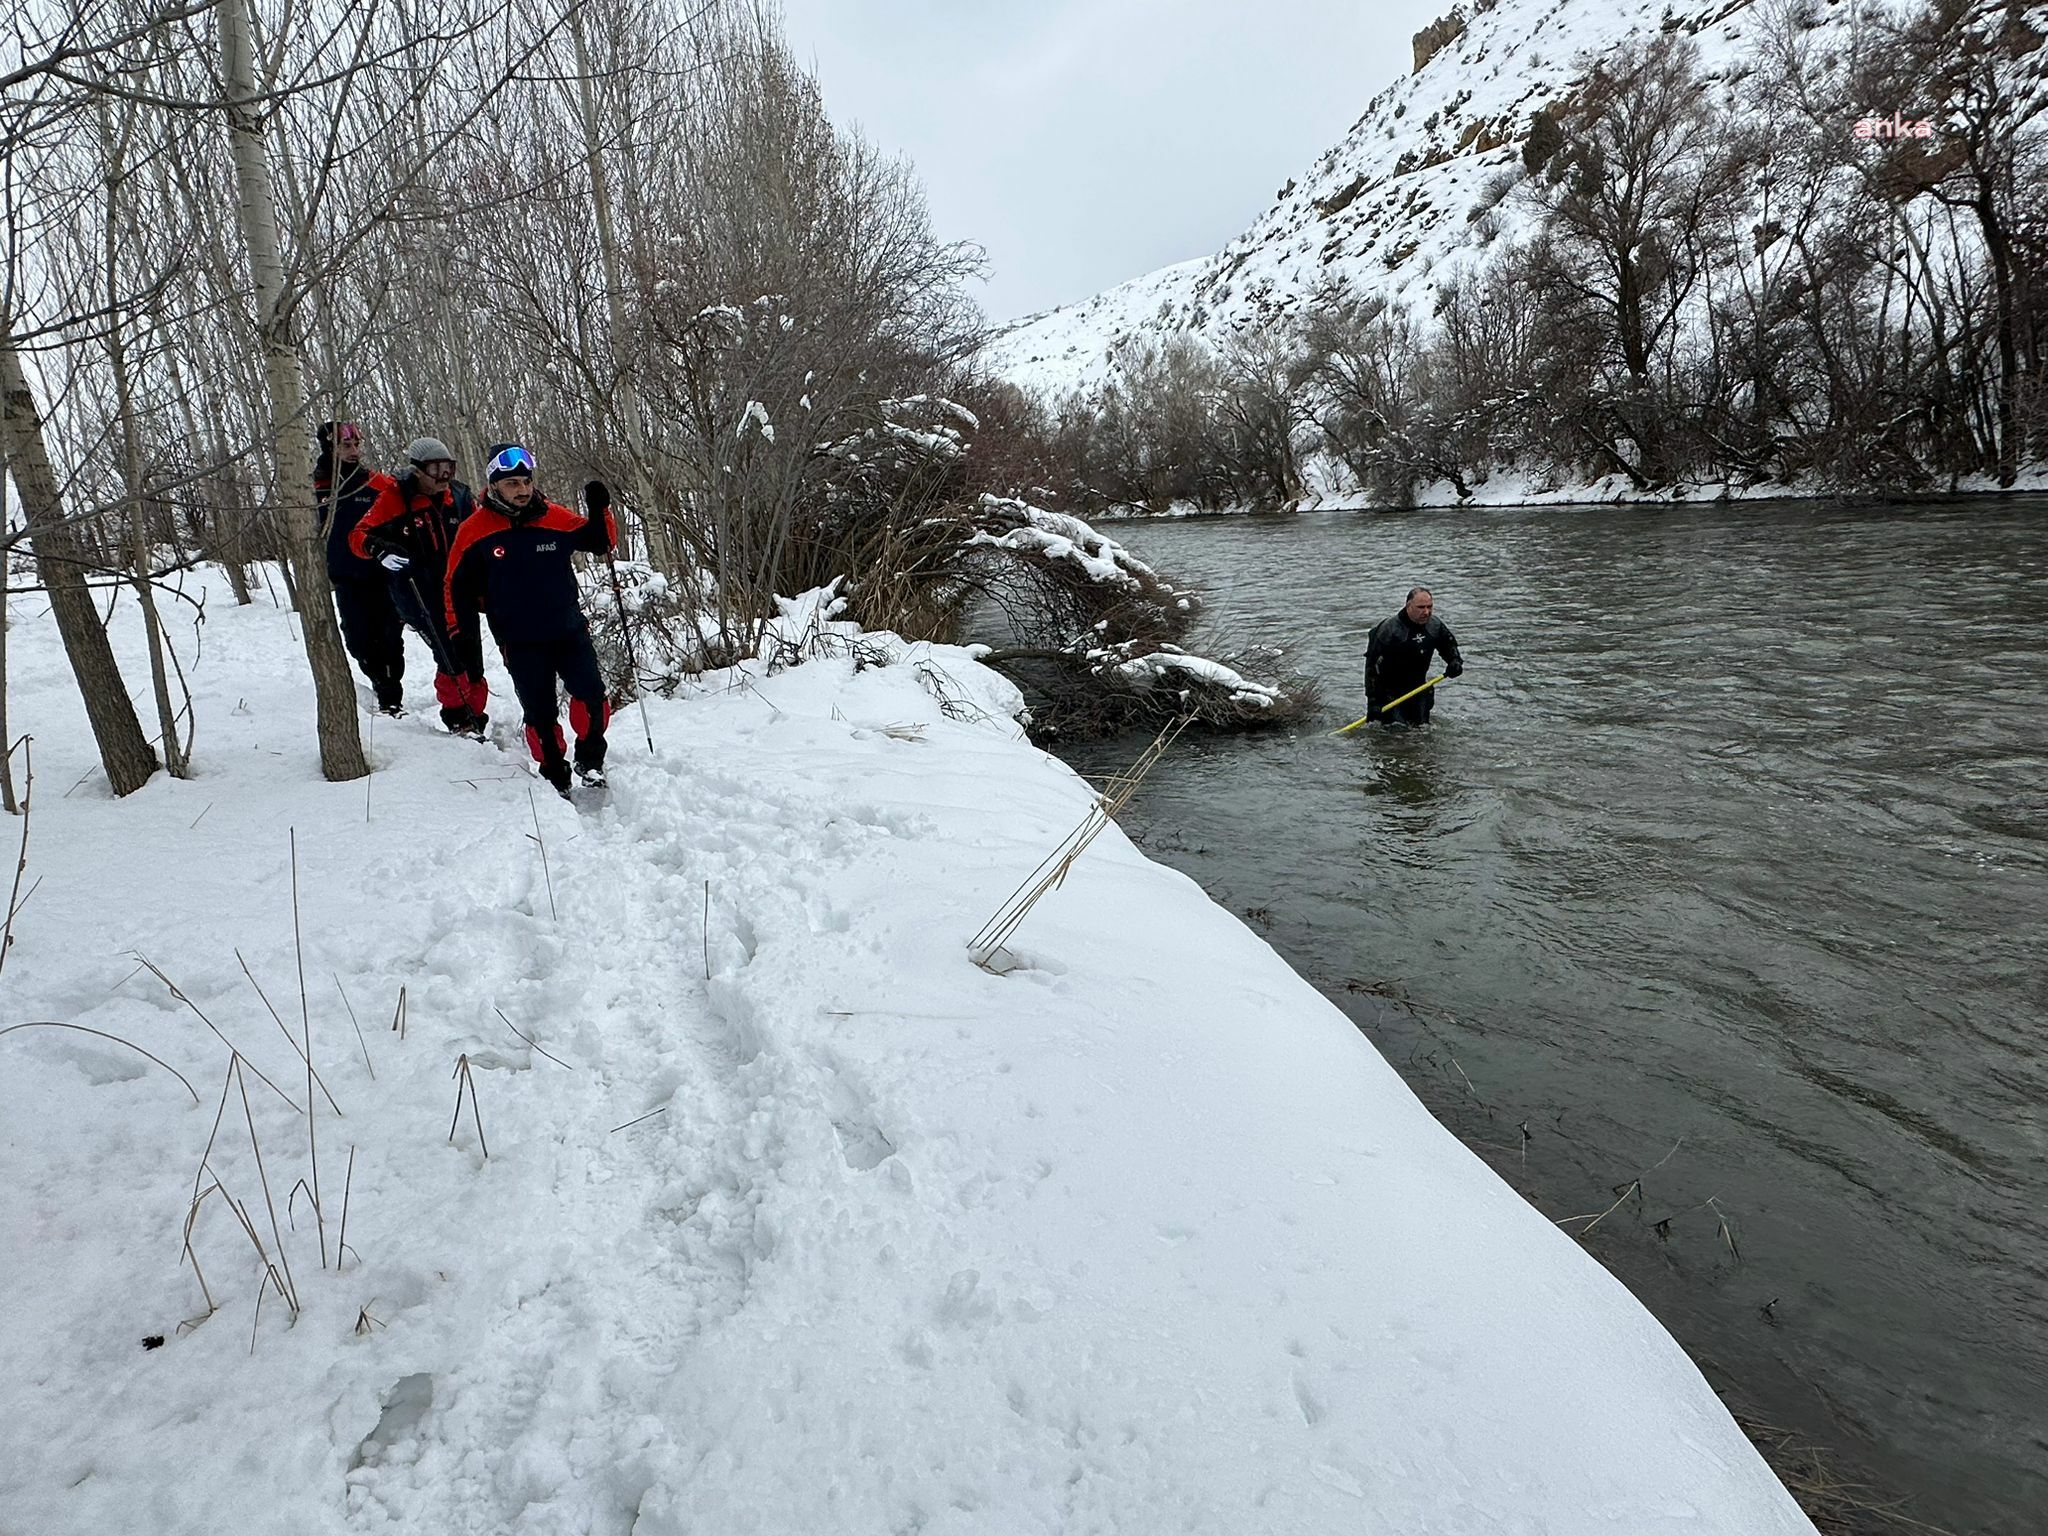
(1397, 659)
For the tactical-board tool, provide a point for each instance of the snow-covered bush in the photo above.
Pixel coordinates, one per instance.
(1093, 632)
(885, 518)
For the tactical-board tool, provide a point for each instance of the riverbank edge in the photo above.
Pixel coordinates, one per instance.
(866, 814)
(1615, 491)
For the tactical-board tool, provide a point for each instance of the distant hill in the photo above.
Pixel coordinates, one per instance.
(1406, 199)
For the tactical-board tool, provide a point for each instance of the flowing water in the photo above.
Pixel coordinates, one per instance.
(1716, 900)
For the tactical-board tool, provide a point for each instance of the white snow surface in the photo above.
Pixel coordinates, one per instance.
(1156, 665)
(1416, 194)
(1057, 536)
(1142, 1236)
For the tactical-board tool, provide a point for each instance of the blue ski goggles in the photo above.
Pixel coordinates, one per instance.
(511, 461)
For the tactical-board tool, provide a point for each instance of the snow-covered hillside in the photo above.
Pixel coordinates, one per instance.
(1408, 198)
(766, 1210)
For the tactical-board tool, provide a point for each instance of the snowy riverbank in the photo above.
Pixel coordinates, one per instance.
(1505, 491)
(844, 1235)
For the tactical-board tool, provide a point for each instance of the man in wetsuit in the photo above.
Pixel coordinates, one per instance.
(1397, 659)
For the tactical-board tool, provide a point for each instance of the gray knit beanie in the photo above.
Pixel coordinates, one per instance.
(424, 450)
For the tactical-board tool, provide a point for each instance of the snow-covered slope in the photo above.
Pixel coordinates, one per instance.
(792, 1219)
(1406, 199)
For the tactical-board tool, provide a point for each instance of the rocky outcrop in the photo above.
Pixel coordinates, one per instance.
(1430, 41)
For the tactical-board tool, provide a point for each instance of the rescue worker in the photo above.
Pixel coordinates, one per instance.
(1397, 660)
(409, 531)
(511, 561)
(344, 488)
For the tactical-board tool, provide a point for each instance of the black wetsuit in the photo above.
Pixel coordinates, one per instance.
(1397, 659)
(370, 626)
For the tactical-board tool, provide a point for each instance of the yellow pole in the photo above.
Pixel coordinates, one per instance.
(1392, 703)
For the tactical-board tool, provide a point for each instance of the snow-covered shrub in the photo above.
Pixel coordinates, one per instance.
(647, 627)
(1093, 632)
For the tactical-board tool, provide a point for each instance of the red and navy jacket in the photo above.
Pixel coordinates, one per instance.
(515, 567)
(409, 520)
(343, 503)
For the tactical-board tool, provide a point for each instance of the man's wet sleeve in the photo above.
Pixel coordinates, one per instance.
(1447, 647)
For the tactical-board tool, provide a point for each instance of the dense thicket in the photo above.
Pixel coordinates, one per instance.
(1714, 281)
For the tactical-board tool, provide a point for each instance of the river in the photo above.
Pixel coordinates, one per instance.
(1715, 900)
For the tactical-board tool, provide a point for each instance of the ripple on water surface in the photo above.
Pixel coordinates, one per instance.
(1733, 839)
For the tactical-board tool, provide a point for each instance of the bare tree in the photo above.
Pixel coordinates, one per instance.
(341, 745)
(1629, 200)
(1986, 159)
(61, 561)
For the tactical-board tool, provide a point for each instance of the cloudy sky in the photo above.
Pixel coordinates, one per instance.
(1087, 141)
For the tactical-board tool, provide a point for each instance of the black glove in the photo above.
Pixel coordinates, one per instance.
(1453, 668)
(596, 498)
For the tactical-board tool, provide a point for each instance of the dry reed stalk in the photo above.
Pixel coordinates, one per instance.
(347, 1183)
(15, 898)
(103, 1035)
(465, 1080)
(658, 1110)
(291, 1294)
(351, 1007)
(1727, 1229)
(398, 1015)
(270, 1276)
(284, 1028)
(205, 1290)
(1837, 1506)
(541, 843)
(198, 1198)
(551, 1056)
(256, 1320)
(157, 971)
(706, 930)
(1634, 1186)
(227, 1081)
(1053, 869)
(306, 1033)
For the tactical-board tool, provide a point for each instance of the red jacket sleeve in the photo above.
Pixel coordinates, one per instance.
(390, 504)
(462, 586)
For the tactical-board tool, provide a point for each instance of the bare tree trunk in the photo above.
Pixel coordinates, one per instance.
(341, 742)
(1998, 245)
(226, 547)
(626, 390)
(464, 426)
(124, 752)
(114, 149)
(7, 800)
